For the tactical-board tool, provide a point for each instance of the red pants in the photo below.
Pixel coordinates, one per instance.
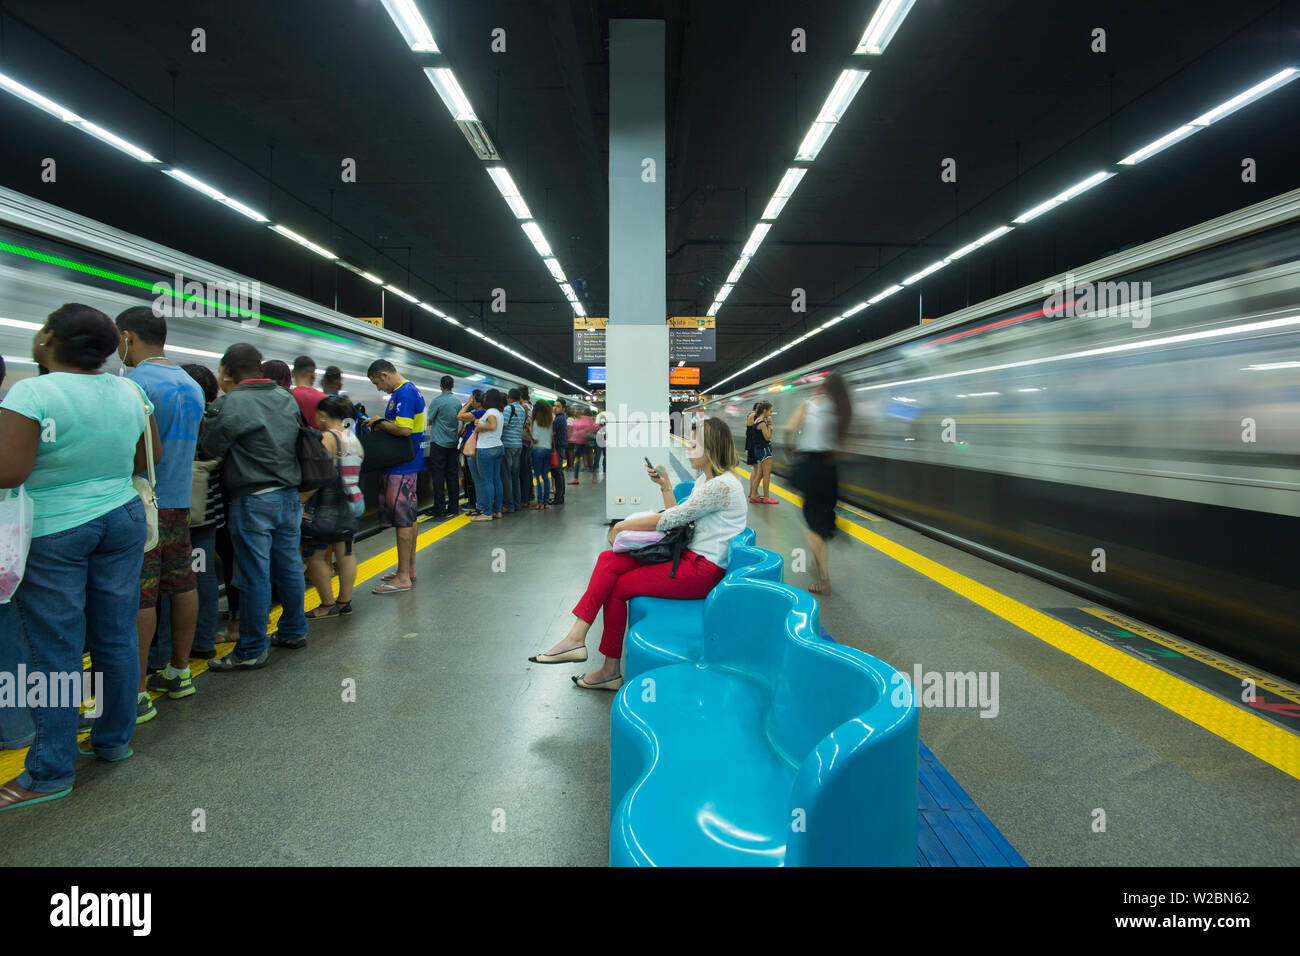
(618, 577)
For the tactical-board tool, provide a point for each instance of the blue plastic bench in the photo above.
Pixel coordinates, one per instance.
(777, 747)
(666, 631)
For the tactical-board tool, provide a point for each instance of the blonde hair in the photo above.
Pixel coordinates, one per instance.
(719, 449)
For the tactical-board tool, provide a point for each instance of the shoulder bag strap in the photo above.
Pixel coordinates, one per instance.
(148, 435)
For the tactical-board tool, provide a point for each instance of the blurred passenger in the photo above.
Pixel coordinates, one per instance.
(470, 413)
(542, 429)
(718, 508)
(253, 428)
(73, 438)
(278, 372)
(560, 445)
(331, 382)
(203, 532)
(404, 417)
(597, 442)
(490, 454)
(304, 390)
(168, 568)
(761, 452)
(512, 441)
(442, 451)
(345, 446)
(526, 451)
(821, 424)
(17, 724)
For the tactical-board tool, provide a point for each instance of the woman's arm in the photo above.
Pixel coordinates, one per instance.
(18, 437)
(465, 415)
(488, 423)
(141, 463)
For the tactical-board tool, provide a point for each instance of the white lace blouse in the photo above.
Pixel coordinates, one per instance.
(719, 507)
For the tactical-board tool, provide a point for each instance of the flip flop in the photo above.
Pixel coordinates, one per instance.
(566, 657)
(392, 574)
(17, 800)
(481, 518)
(389, 589)
(580, 680)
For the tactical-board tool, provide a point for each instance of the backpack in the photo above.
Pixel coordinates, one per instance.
(328, 513)
(316, 464)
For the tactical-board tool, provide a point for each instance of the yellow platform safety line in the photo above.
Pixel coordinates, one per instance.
(1252, 733)
(12, 761)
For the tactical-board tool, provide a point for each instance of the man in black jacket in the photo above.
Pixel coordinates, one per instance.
(253, 426)
(560, 442)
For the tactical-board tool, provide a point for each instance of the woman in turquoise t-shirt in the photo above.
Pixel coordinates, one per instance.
(73, 439)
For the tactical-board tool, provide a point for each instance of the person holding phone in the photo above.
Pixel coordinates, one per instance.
(719, 510)
(761, 450)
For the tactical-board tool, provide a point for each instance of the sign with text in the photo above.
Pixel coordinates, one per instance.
(692, 345)
(596, 375)
(589, 339)
(376, 320)
(687, 375)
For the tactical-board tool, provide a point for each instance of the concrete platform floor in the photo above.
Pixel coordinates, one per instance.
(459, 751)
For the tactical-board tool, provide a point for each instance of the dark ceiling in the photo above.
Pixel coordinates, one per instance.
(1008, 88)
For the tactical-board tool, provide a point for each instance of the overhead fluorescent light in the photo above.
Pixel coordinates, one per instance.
(405, 295)
(112, 139)
(755, 239)
(534, 233)
(290, 234)
(1162, 143)
(577, 308)
(723, 293)
(855, 310)
(1082, 187)
(1037, 211)
(1241, 99)
(835, 321)
(841, 95)
(889, 16)
(373, 278)
(201, 353)
(553, 267)
(884, 295)
(40, 102)
(479, 140)
(457, 103)
(790, 181)
(774, 207)
(414, 30)
(429, 308)
(981, 241)
(568, 292)
(211, 193)
(932, 267)
(814, 140)
(713, 309)
(734, 276)
(509, 191)
(243, 210)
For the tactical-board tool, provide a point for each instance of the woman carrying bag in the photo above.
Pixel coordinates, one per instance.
(74, 439)
(330, 517)
(470, 413)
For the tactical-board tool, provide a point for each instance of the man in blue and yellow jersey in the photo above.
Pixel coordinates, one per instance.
(404, 417)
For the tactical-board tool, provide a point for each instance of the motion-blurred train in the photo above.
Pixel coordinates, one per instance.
(49, 256)
(1058, 439)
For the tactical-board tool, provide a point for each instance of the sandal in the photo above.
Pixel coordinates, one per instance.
(481, 517)
(331, 610)
(388, 589)
(12, 796)
(392, 574)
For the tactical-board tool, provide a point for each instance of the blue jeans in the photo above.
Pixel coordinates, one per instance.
(542, 471)
(204, 540)
(489, 471)
(471, 462)
(17, 725)
(81, 591)
(266, 531)
(510, 479)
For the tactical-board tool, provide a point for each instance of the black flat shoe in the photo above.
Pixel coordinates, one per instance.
(568, 657)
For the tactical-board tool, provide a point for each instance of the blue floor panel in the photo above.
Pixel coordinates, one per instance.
(952, 830)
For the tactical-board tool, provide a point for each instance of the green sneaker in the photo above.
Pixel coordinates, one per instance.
(182, 685)
(144, 709)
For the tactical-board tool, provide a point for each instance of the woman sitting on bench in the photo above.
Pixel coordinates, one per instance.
(719, 507)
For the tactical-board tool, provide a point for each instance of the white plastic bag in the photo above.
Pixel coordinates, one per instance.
(16, 517)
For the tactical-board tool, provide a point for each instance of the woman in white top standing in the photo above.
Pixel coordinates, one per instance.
(719, 508)
(822, 422)
(489, 455)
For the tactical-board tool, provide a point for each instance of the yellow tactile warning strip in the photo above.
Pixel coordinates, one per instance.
(12, 761)
(1236, 725)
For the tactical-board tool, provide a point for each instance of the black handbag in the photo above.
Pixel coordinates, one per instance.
(313, 460)
(384, 451)
(328, 513)
(667, 548)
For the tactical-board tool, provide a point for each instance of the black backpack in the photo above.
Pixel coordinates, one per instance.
(315, 462)
(328, 513)
(667, 548)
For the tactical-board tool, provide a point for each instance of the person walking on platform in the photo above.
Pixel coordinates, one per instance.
(719, 510)
(253, 427)
(761, 455)
(168, 569)
(442, 451)
(560, 445)
(821, 425)
(73, 438)
(403, 417)
(542, 425)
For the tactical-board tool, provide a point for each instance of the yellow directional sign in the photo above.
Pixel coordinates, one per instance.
(375, 320)
(693, 322)
(589, 322)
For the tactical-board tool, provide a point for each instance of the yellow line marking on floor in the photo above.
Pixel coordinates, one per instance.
(13, 761)
(1253, 734)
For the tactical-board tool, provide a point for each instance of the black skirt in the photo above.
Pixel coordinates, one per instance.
(818, 482)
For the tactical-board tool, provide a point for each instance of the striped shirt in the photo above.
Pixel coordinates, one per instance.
(351, 468)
